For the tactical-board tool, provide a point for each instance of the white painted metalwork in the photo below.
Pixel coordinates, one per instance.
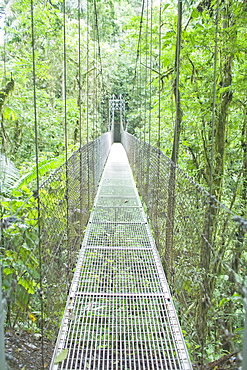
(119, 314)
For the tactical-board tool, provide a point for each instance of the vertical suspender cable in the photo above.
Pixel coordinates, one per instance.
(140, 87)
(36, 133)
(150, 72)
(150, 97)
(98, 48)
(95, 73)
(100, 66)
(159, 122)
(139, 41)
(139, 156)
(87, 103)
(66, 134)
(80, 110)
(139, 56)
(87, 78)
(94, 102)
(146, 73)
(178, 120)
(159, 70)
(79, 73)
(94, 99)
(65, 81)
(135, 79)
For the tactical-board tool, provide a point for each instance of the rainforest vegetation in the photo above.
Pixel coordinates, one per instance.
(83, 58)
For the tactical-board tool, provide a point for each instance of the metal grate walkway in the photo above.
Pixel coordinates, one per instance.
(119, 314)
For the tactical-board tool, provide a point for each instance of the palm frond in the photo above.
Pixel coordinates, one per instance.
(9, 174)
(44, 167)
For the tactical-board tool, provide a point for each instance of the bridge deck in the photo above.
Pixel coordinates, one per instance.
(119, 313)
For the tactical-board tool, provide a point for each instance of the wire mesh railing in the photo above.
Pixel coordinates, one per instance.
(119, 313)
(37, 271)
(203, 250)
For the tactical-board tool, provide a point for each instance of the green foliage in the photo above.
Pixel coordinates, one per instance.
(147, 83)
(8, 174)
(19, 251)
(44, 167)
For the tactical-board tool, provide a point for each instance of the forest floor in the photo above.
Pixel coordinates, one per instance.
(227, 362)
(23, 352)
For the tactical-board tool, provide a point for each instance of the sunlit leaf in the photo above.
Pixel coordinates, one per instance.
(32, 317)
(8, 271)
(61, 357)
(9, 114)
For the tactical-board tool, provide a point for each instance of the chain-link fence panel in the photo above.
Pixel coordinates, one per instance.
(203, 250)
(41, 236)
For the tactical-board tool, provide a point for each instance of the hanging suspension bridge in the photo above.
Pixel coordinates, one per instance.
(120, 312)
(142, 254)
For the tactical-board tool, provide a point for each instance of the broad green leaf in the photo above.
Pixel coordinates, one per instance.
(27, 284)
(8, 271)
(62, 356)
(9, 114)
(44, 167)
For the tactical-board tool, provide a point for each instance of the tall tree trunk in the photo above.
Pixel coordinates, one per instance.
(219, 143)
(220, 137)
(175, 149)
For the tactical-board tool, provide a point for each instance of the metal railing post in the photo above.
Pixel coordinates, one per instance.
(3, 365)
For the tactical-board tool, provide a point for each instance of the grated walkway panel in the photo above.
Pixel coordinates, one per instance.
(119, 314)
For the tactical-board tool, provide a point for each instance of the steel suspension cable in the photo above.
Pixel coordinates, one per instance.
(156, 203)
(134, 81)
(178, 120)
(96, 71)
(146, 71)
(65, 81)
(159, 120)
(79, 73)
(99, 47)
(36, 135)
(159, 70)
(80, 109)
(139, 41)
(66, 135)
(87, 76)
(95, 65)
(140, 89)
(87, 102)
(150, 95)
(150, 71)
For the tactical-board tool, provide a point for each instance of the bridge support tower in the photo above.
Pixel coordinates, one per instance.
(117, 117)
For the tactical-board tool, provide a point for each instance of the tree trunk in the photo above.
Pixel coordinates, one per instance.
(219, 147)
(175, 149)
